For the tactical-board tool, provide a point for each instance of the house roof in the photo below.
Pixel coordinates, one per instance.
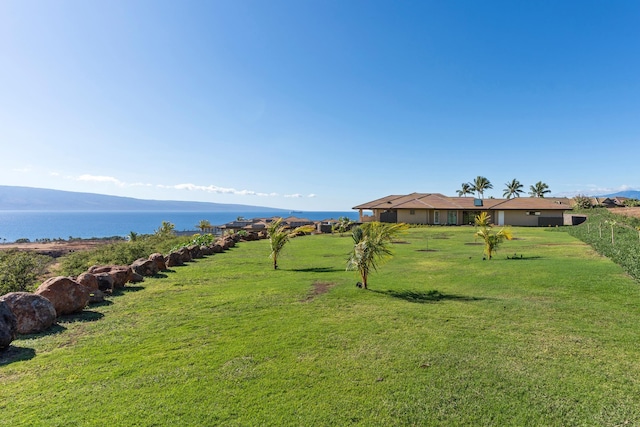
(440, 201)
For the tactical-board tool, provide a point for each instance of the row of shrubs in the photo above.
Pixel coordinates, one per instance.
(597, 232)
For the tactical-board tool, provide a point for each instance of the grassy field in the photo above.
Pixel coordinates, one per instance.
(441, 338)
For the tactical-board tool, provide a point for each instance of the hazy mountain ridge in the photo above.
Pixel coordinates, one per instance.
(632, 194)
(41, 199)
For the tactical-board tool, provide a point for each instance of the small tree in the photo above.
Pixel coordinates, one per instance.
(491, 239)
(582, 202)
(280, 234)
(371, 245)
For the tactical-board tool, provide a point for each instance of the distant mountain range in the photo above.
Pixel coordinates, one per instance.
(40, 199)
(632, 194)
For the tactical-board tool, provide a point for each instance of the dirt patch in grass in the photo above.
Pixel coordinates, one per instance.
(426, 250)
(319, 288)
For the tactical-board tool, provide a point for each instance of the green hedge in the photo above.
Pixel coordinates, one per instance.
(596, 231)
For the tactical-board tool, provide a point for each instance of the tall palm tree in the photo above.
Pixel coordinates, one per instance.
(480, 184)
(279, 235)
(465, 189)
(371, 243)
(514, 188)
(539, 189)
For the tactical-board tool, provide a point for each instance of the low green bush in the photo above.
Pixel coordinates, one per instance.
(20, 270)
(120, 253)
(623, 248)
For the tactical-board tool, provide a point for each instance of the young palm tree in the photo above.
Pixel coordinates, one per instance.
(514, 188)
(280, 234)
(491, 239)
(539, 189)
(465, 189)
(371, 245)
(480, 184)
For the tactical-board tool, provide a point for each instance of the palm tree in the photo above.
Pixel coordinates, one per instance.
(279, 235)
(480, 184)
(371, 243)
(514, 188)
(166, 229)
(204, 224)
(465, 189)
(539, 189)
(491, 239)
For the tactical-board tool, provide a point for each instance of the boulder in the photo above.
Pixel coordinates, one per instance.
(159, 260)
(136, 278)
(185, 254)
(8, 325)
(66, 295)
(34, 313)
(145, 267)
(216, 248)
(195, 251)
(96, 296)
(105, 282)
(206, 250)
(173, 259)
(121, 274)
(89, 281)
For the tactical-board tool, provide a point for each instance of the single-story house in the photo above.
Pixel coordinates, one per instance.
(435, 208)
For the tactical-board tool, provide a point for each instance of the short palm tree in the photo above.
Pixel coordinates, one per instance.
(279, 235)
(513, 189)
(491, 239)
(480, 184)
(371, 245)
(465, 189)
(539, 189)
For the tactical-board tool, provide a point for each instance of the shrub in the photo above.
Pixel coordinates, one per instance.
(120, 253)
(624, 250)
(20, 270)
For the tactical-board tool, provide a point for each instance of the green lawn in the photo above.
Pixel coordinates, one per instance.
(441, 338)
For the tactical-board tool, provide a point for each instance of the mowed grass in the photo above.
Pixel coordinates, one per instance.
(441, 338)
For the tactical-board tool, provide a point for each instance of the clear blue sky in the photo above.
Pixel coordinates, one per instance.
(318, 105)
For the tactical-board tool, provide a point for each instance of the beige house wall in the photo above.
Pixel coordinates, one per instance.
(419, 216)
(520, 218)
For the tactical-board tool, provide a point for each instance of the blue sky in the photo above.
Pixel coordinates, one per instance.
(318, 105)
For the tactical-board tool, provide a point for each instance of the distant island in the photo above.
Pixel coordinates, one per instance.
(14, 198)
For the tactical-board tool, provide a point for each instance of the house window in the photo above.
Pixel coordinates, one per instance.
(536, 213)
(436, 217)
(412, 211)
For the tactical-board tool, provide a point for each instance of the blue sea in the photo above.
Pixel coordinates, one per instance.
(34, 225)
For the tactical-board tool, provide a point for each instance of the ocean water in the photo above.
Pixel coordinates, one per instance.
(35, 225)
